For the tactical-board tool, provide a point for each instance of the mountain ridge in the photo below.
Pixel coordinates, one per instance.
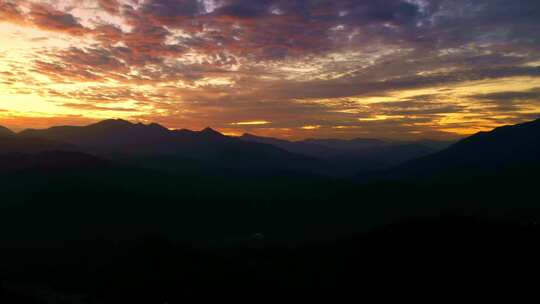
(503, 147)
(336, 157)
(122, 139)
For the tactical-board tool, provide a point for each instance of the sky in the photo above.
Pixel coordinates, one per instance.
(407, 69)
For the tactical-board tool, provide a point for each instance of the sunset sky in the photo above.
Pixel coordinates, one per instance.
(285, 68)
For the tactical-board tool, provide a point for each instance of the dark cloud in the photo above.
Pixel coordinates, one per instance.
(362, 87)
(49, 18)
(531, 95)
(345, 11)
(510, 101)
(168, 9)
(246, 9)
(270, 29)
(418, 105)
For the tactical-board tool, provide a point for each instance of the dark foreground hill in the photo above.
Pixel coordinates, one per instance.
(452, 253)
(506, 148)
(417, 257)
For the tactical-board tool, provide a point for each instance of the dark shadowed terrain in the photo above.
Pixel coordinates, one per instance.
(129, 213)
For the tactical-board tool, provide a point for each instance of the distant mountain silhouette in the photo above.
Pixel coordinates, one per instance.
(360, 144)
(108, 135)
(503, 148)
(345, 157)
(388, 155)
(352, 144)
(300, 147)
(5, 132)
(119, 138)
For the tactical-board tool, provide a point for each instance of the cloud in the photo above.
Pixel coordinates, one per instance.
(77, 64)
(530, 95)
(10, 12)
(169, 9)
(49, 18)
(511, 101)
(348, 66)
(108, 34)
(111, 6)
(86, 106)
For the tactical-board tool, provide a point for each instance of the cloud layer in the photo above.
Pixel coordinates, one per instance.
(343, 68)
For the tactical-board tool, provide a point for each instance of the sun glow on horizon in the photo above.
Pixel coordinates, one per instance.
(251, 123)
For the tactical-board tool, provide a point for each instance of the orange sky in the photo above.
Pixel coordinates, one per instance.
(292, 69)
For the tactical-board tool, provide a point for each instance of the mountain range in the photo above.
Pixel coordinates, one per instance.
(121, 139)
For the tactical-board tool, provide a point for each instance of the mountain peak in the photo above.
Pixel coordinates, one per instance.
(157, 126)
(249, 135)
(210, 132)
(113, 123)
